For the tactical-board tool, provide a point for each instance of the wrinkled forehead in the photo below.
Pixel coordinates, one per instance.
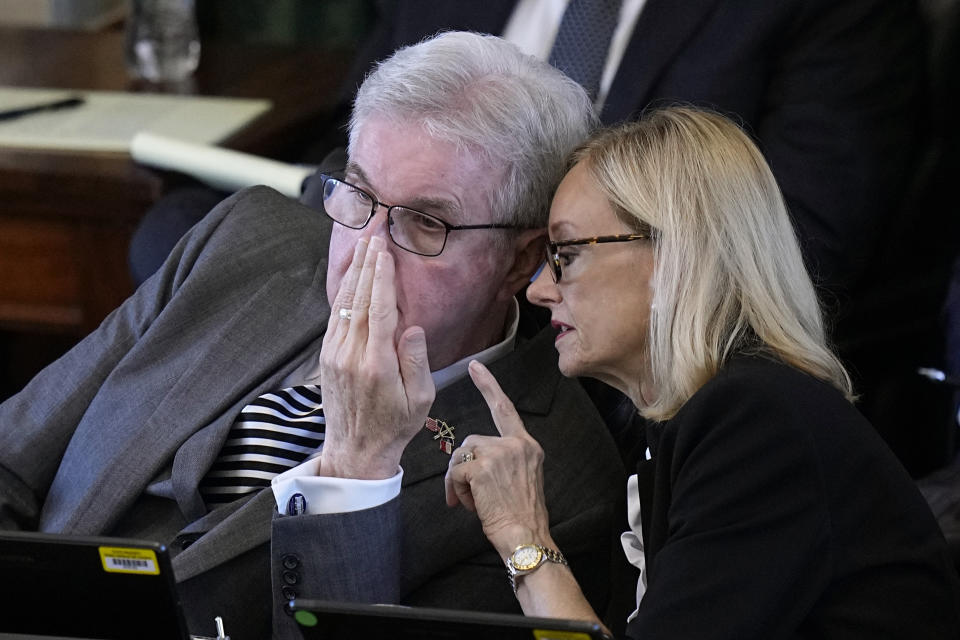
(401, 163)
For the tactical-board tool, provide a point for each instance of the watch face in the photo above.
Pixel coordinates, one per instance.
(526, 557)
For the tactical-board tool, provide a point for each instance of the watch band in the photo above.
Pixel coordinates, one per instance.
(515, 568)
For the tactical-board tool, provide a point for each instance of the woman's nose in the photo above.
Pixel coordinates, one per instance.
(543, 290)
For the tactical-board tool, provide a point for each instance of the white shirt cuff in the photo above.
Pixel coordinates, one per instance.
(331, 495)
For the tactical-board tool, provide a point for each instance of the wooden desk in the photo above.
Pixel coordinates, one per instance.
(66, 218)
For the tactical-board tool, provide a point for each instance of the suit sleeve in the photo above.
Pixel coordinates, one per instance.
(349, 557)
(36, 425)
(746, 547)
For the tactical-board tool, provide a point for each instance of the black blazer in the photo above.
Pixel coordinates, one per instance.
(771, 509)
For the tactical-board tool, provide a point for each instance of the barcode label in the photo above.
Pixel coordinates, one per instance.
(127, 560)
(128, 563)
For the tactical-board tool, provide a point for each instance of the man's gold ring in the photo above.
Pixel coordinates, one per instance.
(467, 456)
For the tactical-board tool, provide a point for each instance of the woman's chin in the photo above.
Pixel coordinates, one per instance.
(571, 367)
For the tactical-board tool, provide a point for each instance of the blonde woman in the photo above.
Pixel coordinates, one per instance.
(763, 505)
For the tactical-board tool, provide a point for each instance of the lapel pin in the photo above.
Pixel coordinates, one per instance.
(442, 432)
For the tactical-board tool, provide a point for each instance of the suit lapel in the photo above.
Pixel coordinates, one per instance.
(645, 480)
(461, 405)
(646, 488)
(238, 527)
(227, 532)
(271, 330)
(662, 30)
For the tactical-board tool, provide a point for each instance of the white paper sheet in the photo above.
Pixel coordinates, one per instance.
(107, 121)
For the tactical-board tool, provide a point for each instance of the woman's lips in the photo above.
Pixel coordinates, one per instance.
(562, 328)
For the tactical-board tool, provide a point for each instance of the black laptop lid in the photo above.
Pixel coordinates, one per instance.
(321, 620)
(85, 587)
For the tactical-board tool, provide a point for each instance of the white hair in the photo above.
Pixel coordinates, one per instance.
(485, 95)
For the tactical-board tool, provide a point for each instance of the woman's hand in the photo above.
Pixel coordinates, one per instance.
(376, 388)
(503, 482)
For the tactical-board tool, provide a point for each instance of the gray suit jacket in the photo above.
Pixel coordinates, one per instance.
(115, 436)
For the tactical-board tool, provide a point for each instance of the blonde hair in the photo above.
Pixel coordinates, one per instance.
(729, 277)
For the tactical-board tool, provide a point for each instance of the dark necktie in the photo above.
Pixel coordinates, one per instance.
(583, 41)
(274, 433)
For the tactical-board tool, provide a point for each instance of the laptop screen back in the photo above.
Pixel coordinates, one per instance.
(320, 620)
(84, 587)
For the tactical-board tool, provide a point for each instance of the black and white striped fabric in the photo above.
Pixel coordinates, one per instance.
(275, 432)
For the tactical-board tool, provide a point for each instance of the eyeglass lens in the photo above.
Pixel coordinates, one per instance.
(410, 230)
(553, 261)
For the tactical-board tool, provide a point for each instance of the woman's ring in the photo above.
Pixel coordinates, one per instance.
(346, 314)
(467, 456)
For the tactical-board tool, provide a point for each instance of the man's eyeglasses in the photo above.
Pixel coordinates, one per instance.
(411, 230)
(553, 253)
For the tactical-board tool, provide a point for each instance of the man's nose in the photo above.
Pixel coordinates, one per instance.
(379, 225)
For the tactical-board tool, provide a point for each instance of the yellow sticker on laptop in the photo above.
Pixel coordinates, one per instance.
(549, 634)
(127, 560)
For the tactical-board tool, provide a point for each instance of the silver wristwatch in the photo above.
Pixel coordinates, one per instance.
(527, 557)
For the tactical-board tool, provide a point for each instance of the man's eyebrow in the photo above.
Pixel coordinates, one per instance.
(448, 209)
(353, 170)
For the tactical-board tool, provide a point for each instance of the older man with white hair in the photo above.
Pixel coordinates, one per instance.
(221, 376)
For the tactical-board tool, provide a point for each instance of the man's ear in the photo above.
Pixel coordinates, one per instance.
(527, 254)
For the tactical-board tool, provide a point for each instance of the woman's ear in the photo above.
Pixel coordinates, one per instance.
(527, 254)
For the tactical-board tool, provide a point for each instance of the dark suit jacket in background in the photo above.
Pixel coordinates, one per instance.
(115, 436)
(772, 510)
